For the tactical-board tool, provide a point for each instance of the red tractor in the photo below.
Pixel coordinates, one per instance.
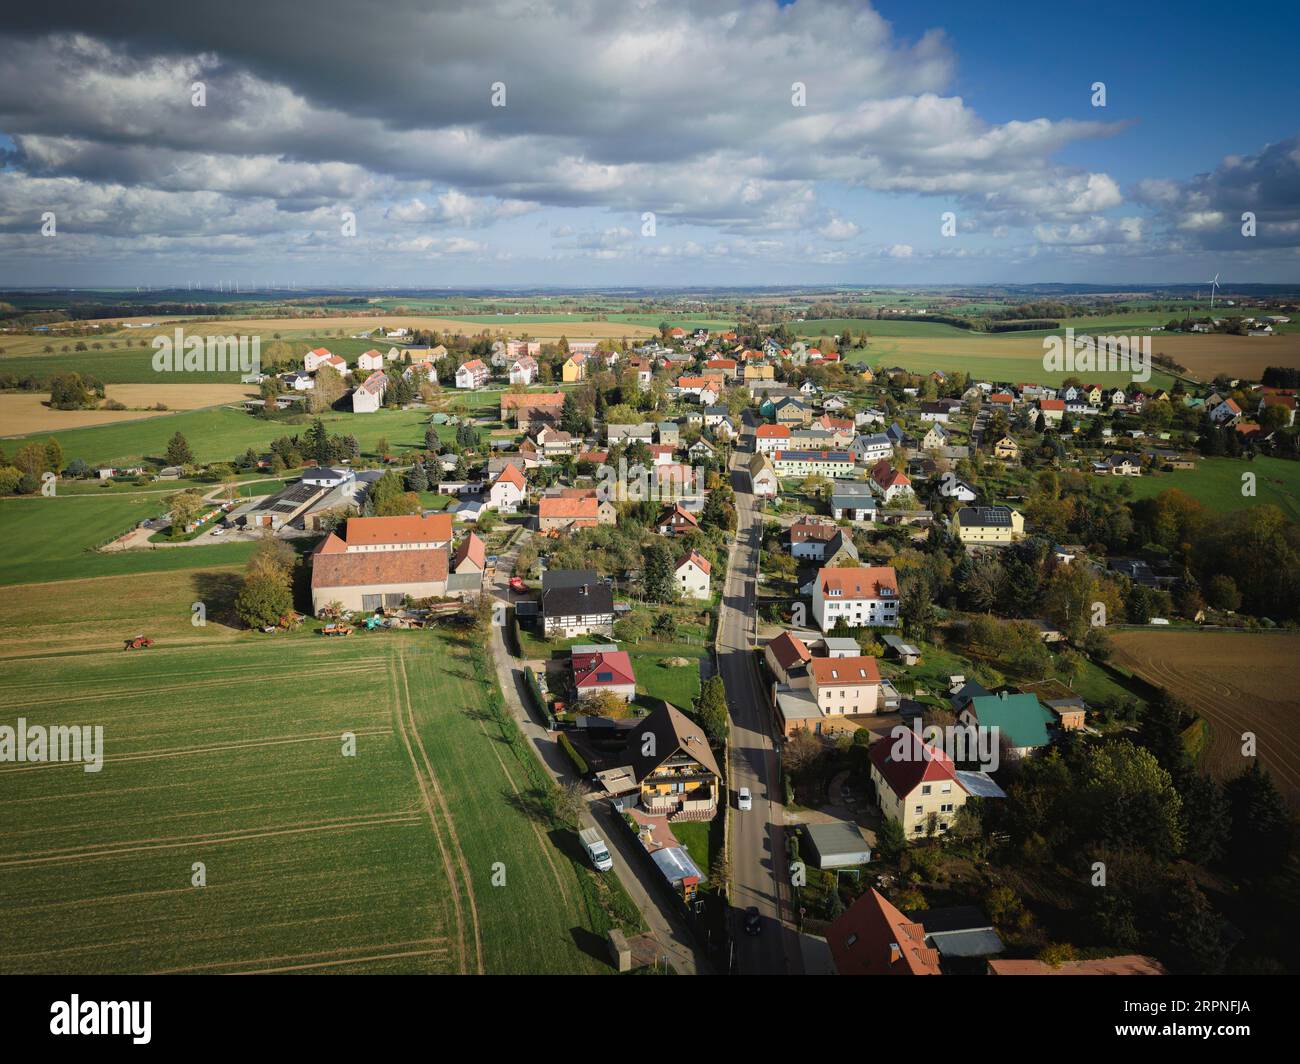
(140, 642)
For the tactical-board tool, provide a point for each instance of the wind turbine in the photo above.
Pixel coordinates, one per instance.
(1214, 287)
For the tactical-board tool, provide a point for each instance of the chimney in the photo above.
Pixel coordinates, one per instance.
(895, 953)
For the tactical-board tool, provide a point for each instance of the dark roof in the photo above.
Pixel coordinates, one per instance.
(984, 515)
(577, 600)
(673, 731)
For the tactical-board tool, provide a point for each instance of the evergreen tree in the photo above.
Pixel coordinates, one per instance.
(417, 479)
(318, 442)
(1260, 841)
(659, 583)
(178, 451)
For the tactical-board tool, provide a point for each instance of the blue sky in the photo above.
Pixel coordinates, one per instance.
(683, 108)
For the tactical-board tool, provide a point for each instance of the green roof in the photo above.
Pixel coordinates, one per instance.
(1021, 718)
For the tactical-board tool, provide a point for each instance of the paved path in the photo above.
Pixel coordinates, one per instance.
(676, 943)
(758, 854)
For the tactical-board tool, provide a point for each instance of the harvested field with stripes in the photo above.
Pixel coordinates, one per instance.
(226, 749)
(1237, 682)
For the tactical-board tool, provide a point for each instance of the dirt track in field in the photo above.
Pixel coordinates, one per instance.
(1238, 683)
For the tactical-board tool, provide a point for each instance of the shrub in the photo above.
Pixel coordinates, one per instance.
(578, 762)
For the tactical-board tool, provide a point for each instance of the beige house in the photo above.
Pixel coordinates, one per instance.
(845, 687)
(1006, 448)
(509, 491)
(562, 514)
(915, 784)
(988, 524)
(764, 482)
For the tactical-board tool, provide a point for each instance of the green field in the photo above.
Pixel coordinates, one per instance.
(1216, 482)
(230, 754)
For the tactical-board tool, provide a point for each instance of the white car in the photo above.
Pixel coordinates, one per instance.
(218, 531)
(743, 800)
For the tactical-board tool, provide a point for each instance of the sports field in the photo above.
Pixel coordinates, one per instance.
(425, 852)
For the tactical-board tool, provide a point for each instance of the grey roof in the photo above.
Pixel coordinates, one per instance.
(961, 931)
(796, 703)
(980, 785)
(838, 844)
(854, 487)
(675, 864)
(841, 642)
(966, 692)
(464, 581)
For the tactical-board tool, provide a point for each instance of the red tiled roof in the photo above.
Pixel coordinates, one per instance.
(789, 650)
(1129, 964)
(845, 672)
(918, 763)
(863, 582)
(588, 670)
(381, 568)
(533, 400)
(1051, 404)
(367, 531)
(697, 558)
(562, 507)
(872, 937)
(773, 432)
(512, 475)
(471, 549)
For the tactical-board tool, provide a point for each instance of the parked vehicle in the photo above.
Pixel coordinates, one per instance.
(744, 801)
(596, 850)
(517, 584)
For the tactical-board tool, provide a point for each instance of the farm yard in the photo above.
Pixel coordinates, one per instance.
(216, 752)
(1237, 682)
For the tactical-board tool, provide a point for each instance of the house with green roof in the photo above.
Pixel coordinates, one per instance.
(1021, 720)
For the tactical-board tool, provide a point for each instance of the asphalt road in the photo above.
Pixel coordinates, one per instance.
(758, 857)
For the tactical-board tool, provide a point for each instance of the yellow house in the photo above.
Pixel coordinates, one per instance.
(988, 524)
(675, 770)
(1006, 448)
(760, 373)
(867, 374)
(916, 784)
(575, 369)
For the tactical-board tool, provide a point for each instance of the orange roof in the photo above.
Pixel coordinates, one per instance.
(866, 581)
(319, 351)
(789, 650)
(381, 567)
(772, 432)
(872, 937)
(552, 506)
(845, 672)
(534, 399)
(697, 558)
(471, 549)
(370, 531)
(1051, 404)
(511, 475)
(1128, 964)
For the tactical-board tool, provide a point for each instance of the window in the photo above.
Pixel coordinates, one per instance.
(918, 809)
(925, 788)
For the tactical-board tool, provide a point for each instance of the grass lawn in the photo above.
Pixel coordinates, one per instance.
(678, 684)
(702, 839)
(1216, 482)
(227, 751)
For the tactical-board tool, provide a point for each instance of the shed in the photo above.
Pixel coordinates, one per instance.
(838, 844)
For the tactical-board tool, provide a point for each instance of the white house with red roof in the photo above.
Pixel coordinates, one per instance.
(845, 687)
(863, 597)
(370, 361)
(768, 439)
(602, 668)
(916, 784)
(524, 371)
(368, 396)
(1053, 410)
(472, 374)
(694, 573)
(889, 481)
(509, 491)
(319, 356)
(677, 521)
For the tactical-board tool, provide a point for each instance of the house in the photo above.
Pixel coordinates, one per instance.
(988, 524)
(1070, 709)
(327, 477)
(768, 439)
(701, 450)
(575, 601)
(552, 443)
(509, 491)
(763, 479)
(791, 411)
(1021, 720)
(524, 371)
(693, 573)
(1123, 465)
(602, 668)
(381, 562)
(1286, 403)
(845, 687)
(860, 597)
(669, 432)
(936, 437)
(916, 784)
(574, 368)
(676, 521)
(527, 409)
(316, 358)
(821, 541)
(853, 501)
(606, 511)
(1007, 449)
(370, 360)
(368, 396)
(1053, 410)
(675, 770)
(833, 464)
(890, 482)
(561, 514)
(470, 556)
(301, 381)
(1225, 412)
(937, 412)
(871, 937)
(472, 374)
(788, 657)
(629, 434)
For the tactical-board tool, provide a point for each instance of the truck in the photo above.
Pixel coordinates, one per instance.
(595, 847)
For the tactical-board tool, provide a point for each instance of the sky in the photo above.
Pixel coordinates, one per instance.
(601, 143)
